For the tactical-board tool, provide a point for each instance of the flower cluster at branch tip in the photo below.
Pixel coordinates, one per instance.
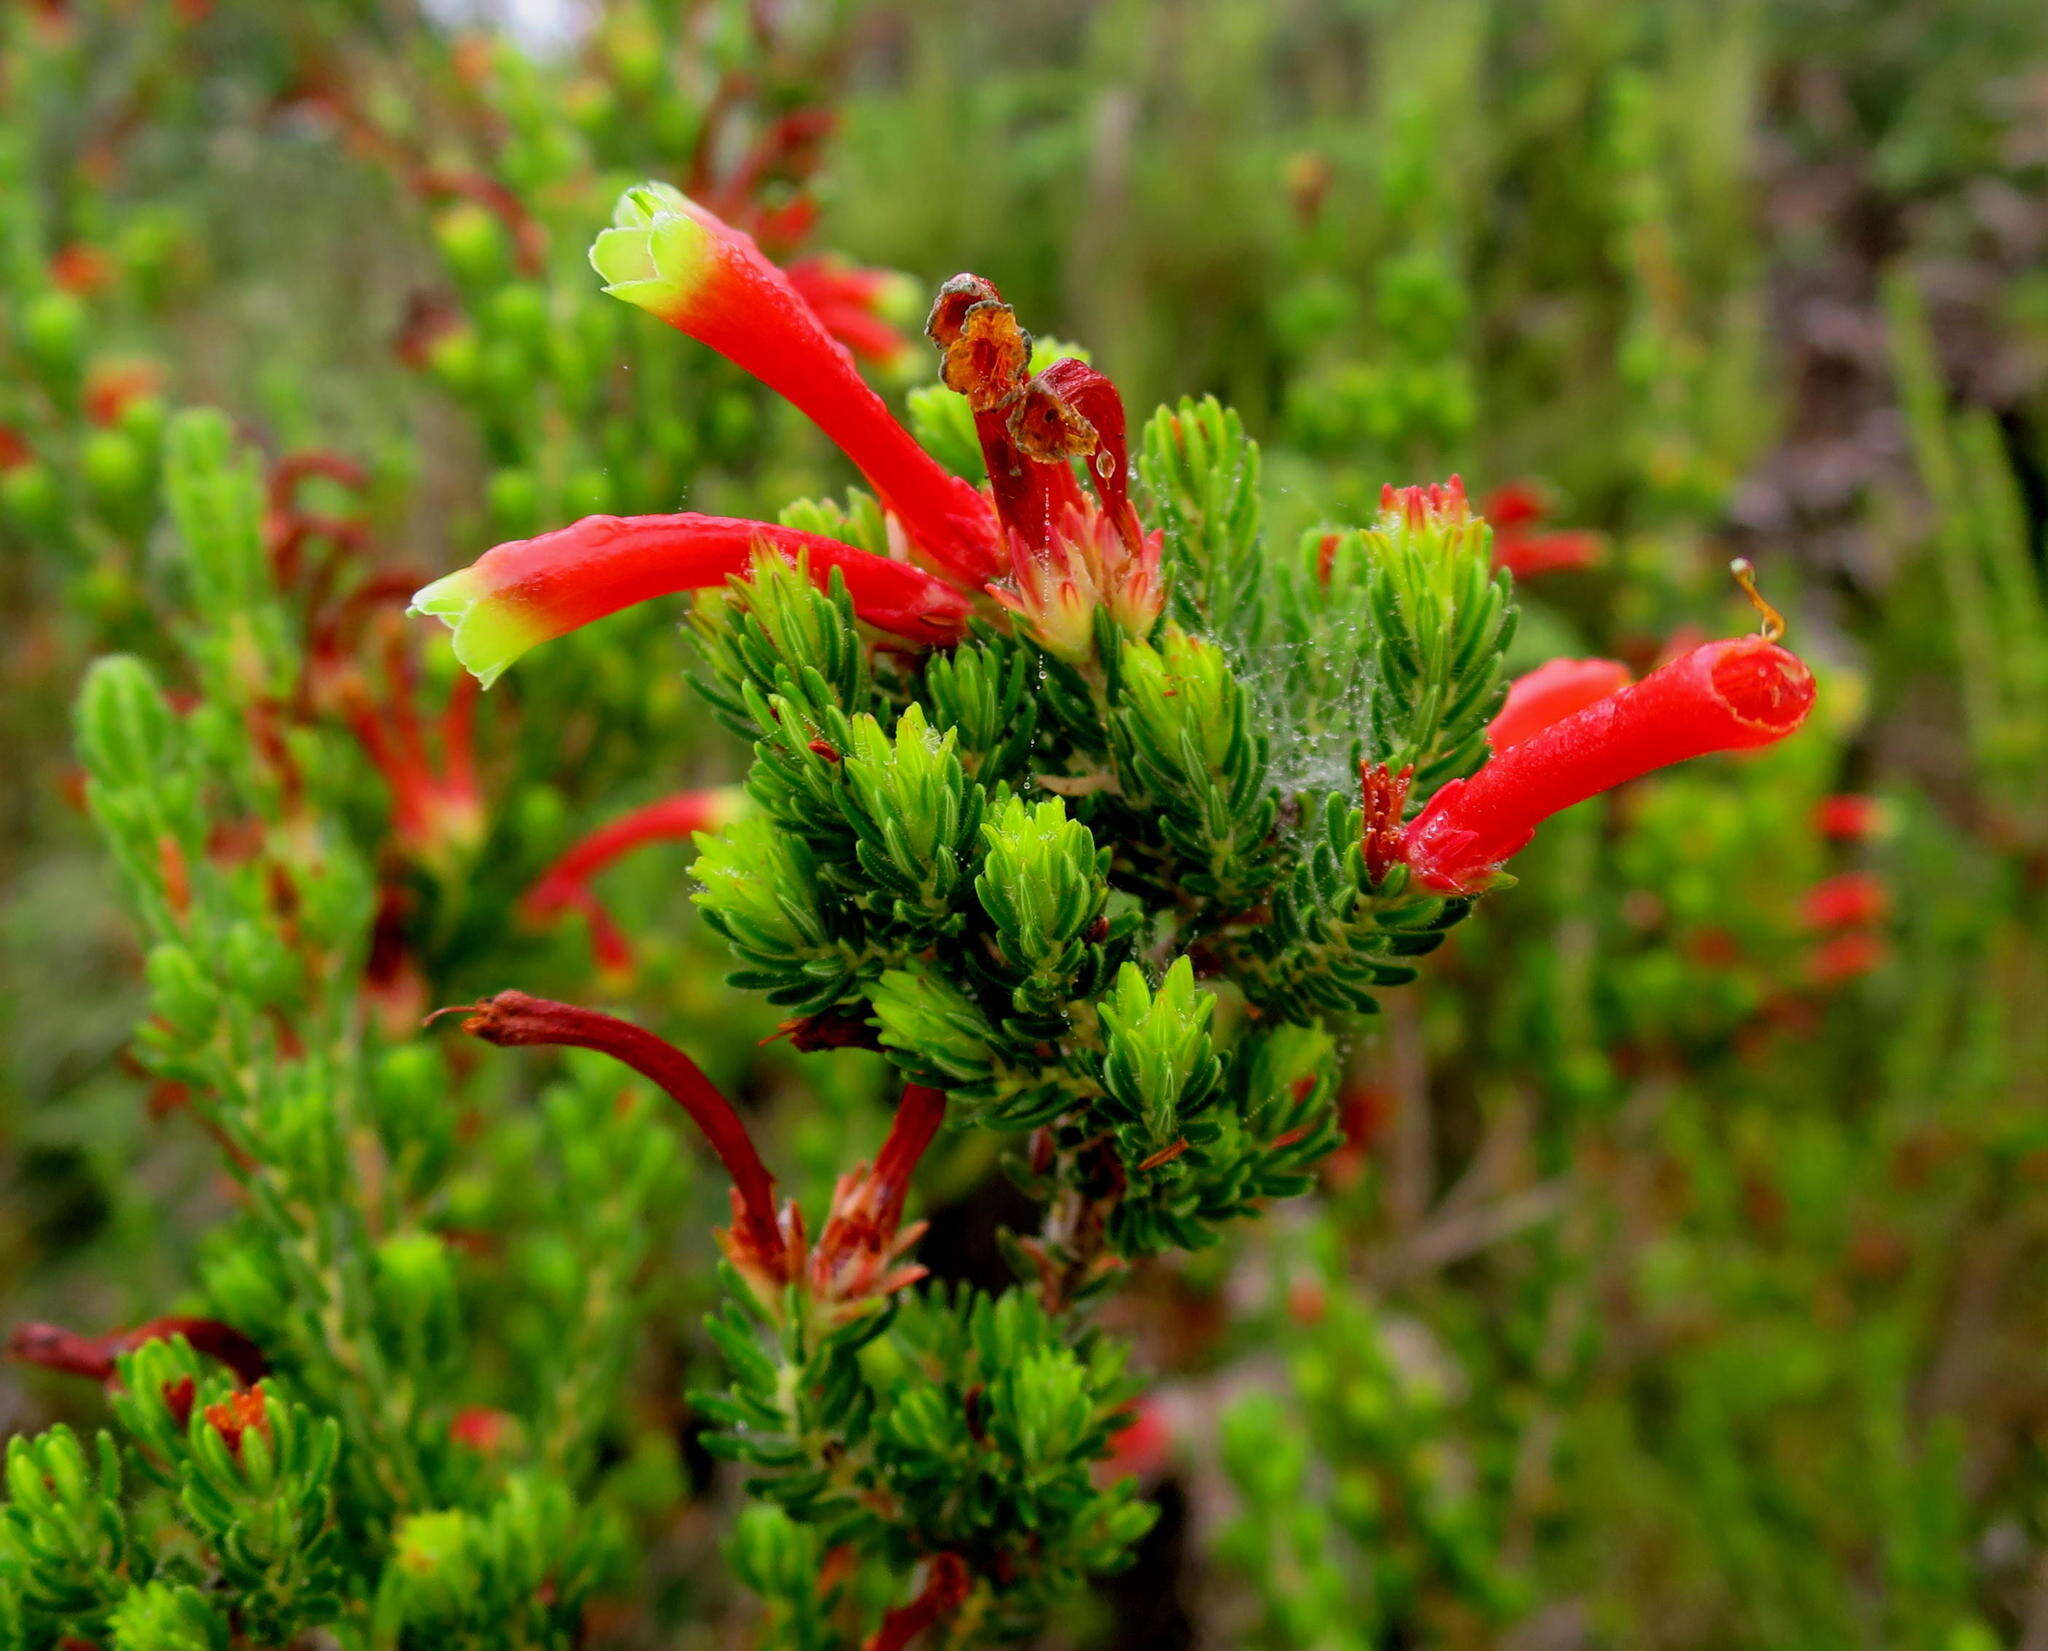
(1035, 543)
(1431, 506)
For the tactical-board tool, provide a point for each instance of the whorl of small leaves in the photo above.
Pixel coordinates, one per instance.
(750, 634)
(1043, 886)
(1200, 475)
(1441, 620)
(915, 815)
(982, 691)
(1331, 941)
(256, 1519)
(1267, 1124)
(1186, 751)
(64, 1543)
(987, 1441)
(1159, 1065)
(517, 1572)
(758, 887)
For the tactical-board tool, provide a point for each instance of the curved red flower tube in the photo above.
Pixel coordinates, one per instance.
(530, 591)
(1724, 696)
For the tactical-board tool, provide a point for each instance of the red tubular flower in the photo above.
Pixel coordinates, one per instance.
(1515, 505)
(678, 261)
(1852, 900)
(1530, 555)
(680, 816)
(513, 1019)
(52, 1347)
(529, 240)
(436, 805)
(1550, 693)
(295, 469)
(1721, 697)
(532, 590)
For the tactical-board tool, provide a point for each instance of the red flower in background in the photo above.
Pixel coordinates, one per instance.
(1845, 957)
(1516, 510)
(1854, 899)
(112, 387)
(853, 304)
(81, 269)
(565, 885)
(1848, 818)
